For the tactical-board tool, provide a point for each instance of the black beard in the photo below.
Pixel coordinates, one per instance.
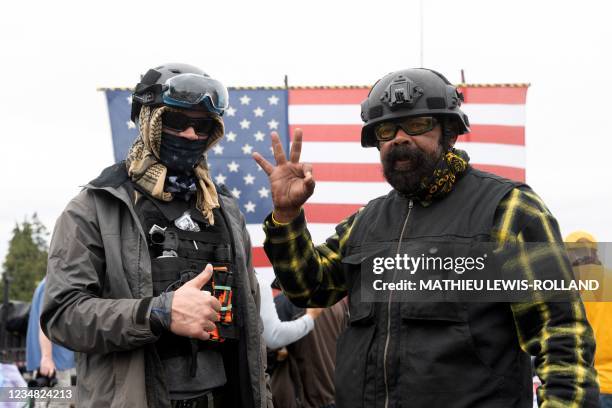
(422, 166)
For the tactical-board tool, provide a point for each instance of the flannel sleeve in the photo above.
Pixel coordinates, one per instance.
(311, 276)
(557, 334)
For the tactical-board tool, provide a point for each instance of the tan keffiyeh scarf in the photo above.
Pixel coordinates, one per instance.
(148, 173)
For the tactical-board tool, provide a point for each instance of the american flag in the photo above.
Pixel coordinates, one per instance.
(347, 175)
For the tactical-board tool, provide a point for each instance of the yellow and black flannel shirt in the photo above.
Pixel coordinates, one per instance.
(556, 333)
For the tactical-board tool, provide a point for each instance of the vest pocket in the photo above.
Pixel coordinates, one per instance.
(169, 270)
(438, 355)
(351, 350)
(360, 312)
(440, 311)
(354, 343)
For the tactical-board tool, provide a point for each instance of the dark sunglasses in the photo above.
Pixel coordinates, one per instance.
(179, 122)
(412, 126)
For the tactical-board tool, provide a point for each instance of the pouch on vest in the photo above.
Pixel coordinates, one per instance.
(172, 272)
(361, 312)
(178, 255)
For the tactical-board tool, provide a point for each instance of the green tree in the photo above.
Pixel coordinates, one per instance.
(26, 261)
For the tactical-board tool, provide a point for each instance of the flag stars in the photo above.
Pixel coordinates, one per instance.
(231, 137)
(220, 179)
(233, 166)
(247, 149)
(258, 112)
(259, 136)
(250, 207)
(273, 100)
(130, 124)
(236, 193)
(231, 111)
(263, 192)
(245, 100)
(248, 179)
(218, 149)
(245, 124)
(273, 125)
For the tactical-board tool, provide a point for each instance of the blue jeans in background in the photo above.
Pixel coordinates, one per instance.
(605, 400)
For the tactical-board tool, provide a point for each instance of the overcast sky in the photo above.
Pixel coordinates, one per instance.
(55, 130)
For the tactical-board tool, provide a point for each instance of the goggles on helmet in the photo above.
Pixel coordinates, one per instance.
(386, 131)
(179, 122)
(192, 90)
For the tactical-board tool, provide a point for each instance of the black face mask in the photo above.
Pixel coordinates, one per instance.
(179, 154)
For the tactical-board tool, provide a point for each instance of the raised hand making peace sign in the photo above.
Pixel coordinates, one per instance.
(291, 182)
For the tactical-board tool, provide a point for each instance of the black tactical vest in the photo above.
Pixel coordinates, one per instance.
(181, 243)
(445, 354)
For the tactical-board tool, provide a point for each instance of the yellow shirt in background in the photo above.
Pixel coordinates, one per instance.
(599, 314)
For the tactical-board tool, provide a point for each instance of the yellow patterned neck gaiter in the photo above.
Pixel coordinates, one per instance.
(451, 166)
(149, 174)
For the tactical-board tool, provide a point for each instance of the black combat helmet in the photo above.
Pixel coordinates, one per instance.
(411, 93)
(179, 85)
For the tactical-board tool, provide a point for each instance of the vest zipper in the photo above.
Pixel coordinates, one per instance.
(410, 205)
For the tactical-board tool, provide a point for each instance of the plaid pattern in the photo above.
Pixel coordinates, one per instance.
(557, 334)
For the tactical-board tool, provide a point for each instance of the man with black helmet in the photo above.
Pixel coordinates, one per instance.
(429, 354)
(150, 277)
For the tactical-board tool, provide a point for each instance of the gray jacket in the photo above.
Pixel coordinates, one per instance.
(99, 288)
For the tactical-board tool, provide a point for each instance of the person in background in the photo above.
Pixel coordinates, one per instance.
(43, 357)
(582, 249)
(305, 378)
(277, 333)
